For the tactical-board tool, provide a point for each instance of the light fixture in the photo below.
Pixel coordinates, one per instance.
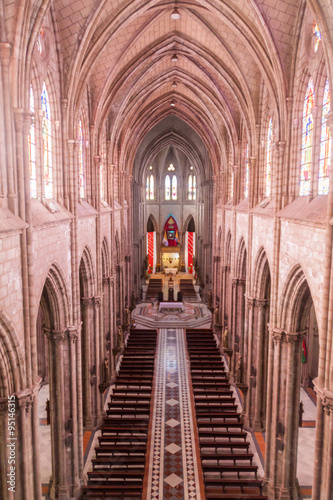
(175, 13)
(150, 168)
(173, 104)
(174, 58)
(171, 167)
(191, 168)
(174, 84)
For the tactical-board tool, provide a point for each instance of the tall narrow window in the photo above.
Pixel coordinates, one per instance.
(47, 144)
(269, 145)
(167, 188)
(246, 183)
(82, 179)
(152, 187)
(316, 36)
(102, 179)
(147, 188)
(192, 186)
(174, 187)
(325, 145)
(307, 139)
(32, 148)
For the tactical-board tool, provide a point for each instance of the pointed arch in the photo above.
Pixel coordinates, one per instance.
(87, 273)
(152, 224)
(227, 255)
(57, 296)
(105, 259)
(12, 364)
(241, 259)
(189, 222)
(296, 300)
(261, 275)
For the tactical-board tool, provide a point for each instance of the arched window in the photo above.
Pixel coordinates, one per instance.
(32, 148)
(81, 162)
(325, 145)
(150, 187)
(167, 188)
(174, 187)
(192, 187)
(307, 138)
(47, 144)
(316, 36)
(269, 144)
(246, 183)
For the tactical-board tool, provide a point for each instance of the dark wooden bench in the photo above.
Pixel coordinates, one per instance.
(231, 469)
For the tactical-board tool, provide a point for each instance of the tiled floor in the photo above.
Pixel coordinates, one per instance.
(173, 469)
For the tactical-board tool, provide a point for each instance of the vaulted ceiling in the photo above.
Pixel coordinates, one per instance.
(227, 50)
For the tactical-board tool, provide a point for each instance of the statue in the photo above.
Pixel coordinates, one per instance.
(127, 316)
(238, 371)
(301, 411)
(48, 412)
(225, 338)
(120, 337)
(106, 370)
(216, 315)
(133, 302)
(210, 298)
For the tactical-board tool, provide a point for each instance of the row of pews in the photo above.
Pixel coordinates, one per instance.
(226, 460)
(187, 289)
(154, 287)
(120, 457)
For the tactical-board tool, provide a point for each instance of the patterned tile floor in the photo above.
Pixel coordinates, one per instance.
(173, 469)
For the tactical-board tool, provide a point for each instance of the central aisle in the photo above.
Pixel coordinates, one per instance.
(173, 471)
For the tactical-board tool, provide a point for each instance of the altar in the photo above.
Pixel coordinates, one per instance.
(171, 270)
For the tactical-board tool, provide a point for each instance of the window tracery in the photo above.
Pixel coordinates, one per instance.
(47, 143)
(325, 145)
(307, 139)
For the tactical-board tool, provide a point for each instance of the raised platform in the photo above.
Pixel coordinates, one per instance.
(194, 315)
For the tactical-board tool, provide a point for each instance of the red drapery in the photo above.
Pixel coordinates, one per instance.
(190, 252)
(151, 249)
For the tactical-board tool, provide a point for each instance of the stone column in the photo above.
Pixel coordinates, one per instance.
(72, 337)
(238, 322)
(60, 486)
(247, 361)
(283, 407)
(259, 411)
(98, 360)
(88, 312)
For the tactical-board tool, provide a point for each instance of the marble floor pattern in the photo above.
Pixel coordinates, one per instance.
(173, 471)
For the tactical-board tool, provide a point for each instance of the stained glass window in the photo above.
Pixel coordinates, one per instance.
(246, 184)
(192, 186)
(167, 188)
(152, 188)
(47, 144)
(81, 162)
(32, 148)
(307, 138)
(174, 187)
(316, 35)
(269, 145)
(325, 145)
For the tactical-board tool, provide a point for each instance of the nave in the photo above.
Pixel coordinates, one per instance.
(178, 434)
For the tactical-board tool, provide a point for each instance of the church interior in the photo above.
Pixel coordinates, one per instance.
(166, 249)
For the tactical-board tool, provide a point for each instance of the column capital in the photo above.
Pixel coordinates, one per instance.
(19, 119)
(72, 332)
(329, 120)
(57, 335)
(97, 300)
(325, 396)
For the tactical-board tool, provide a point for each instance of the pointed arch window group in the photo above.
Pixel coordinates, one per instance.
(47, 144)
(192, 187)
(269, 149)
(170, 188)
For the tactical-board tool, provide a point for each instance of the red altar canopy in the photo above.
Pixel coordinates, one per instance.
(170, 236)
